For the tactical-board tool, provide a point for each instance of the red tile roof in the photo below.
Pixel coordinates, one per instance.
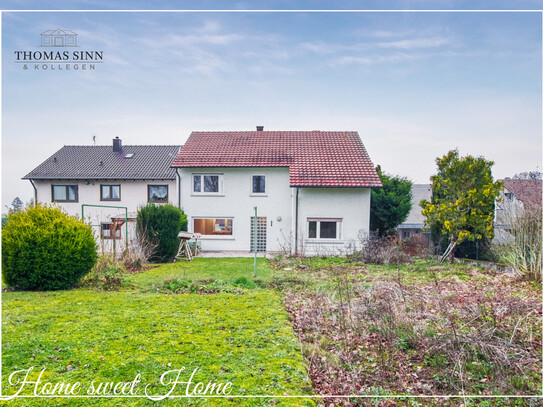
(314, 158)
(527, 191)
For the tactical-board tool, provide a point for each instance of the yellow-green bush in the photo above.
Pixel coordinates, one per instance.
(43, 248)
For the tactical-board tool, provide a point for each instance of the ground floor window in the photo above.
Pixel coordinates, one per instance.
(324, 228)
(213, 226)
(108, 229)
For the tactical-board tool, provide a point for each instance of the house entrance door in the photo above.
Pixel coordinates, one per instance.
(261, 234)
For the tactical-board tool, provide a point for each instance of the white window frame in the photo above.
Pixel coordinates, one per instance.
(339, 227)
(202, 192)
(265, 193)
(217, 236)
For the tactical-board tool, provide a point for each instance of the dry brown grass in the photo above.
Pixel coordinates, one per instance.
(421, 330)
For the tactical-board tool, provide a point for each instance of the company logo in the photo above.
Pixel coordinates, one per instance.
(59, 60)
(58, 38)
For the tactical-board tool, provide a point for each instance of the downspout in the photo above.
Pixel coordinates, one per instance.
(178, 187)
(35, 192)
(296, 225)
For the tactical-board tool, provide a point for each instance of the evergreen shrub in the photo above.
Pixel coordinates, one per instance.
(159, 225)
(43, 248)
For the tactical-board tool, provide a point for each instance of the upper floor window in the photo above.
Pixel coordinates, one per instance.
(157, 193)
(64, 193)
(207, 183)
(324, 228)
(258, 184)
(110, 192)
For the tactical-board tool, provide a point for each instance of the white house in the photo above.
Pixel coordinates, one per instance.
(414, 224)
(107, 184)
(312, 190)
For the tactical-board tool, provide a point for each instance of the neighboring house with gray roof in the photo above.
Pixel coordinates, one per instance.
(107, 184)
(414, 223)
(518, 196)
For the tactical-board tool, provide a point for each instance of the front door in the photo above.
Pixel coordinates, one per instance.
(261, 233)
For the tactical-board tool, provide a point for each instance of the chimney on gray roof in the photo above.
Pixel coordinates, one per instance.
(117, 145)
(259, 128)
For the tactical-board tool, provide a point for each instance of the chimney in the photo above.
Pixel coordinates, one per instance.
(117, 145)
(259, 128)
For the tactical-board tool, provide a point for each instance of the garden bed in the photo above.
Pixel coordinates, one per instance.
(420, 329)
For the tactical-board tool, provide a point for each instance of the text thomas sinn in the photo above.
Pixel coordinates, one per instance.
(59, 60)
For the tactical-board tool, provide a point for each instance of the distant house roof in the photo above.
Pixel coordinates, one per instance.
(314, 158)
(100, 162)
(415, 219)
(526, 191)
(58, 32)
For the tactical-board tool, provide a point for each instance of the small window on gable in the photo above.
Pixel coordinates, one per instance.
(324, 228)
(207, 183)
(258, 184)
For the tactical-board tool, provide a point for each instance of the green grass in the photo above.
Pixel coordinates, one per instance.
(223, 269)
(244, 339)
(240, 333)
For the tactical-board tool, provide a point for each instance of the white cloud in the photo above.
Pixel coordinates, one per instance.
(174, 40)
(373, 59)
(416, 43)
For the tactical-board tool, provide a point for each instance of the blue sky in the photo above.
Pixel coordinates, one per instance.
(414, 85)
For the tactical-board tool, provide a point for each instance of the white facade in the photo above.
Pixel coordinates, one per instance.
(133, 195)
(508, 208)
(339, 212)
(351, 208)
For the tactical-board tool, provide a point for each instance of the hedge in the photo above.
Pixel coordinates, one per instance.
(159, 225)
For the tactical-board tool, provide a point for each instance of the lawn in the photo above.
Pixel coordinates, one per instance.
(302, 326)
(84, 335)
(224, 270)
